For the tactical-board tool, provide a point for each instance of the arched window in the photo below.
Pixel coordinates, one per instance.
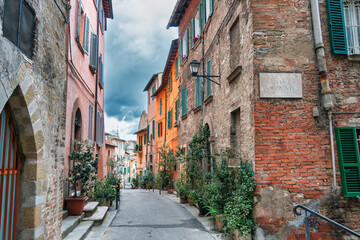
(77, 125)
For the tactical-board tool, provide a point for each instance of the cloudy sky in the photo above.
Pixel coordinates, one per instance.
(136, 46)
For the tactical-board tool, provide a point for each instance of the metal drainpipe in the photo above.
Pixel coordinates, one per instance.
(324, 82)
(203, 73)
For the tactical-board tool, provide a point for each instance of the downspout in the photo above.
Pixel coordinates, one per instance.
(324, 81)
(203, 73)
(96, 86)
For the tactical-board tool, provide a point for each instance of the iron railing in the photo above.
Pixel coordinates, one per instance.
(312, 222)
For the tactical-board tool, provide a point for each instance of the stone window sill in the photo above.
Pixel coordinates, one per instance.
(237, 71)
(197, 109)
(208, 100)
(183, 117)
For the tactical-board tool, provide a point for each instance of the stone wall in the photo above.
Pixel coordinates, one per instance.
(35, 91)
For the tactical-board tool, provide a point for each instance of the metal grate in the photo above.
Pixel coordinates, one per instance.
(9, 176)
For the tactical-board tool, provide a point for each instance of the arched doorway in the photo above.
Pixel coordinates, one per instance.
(9, 175)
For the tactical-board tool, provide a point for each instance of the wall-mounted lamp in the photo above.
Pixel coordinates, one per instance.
(194, 68)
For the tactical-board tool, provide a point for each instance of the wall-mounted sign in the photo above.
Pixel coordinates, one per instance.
(280, 85)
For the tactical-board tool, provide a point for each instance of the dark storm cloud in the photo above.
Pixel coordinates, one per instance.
(137, 44)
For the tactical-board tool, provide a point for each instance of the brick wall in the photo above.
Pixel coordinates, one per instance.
(293, 155)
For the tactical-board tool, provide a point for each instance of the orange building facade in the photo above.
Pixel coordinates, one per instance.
(167, 107)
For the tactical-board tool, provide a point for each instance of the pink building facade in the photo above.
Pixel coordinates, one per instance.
(151, 153)
(85, 78)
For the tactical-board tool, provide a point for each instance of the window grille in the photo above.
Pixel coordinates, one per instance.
(352, 25)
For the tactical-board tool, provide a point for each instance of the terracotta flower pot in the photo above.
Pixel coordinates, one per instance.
(183, 199)
(75, 205)
(170, 190)
(203, 210)
(219, 222)
(191, 202)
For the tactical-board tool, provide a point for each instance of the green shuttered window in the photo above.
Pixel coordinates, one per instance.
(148, 132)
(94, 52)
(176, 110)
(337, 26)
(153, 126)
(184, 101)
(192, 32)
(197, 92)
(348, 151)
(91, 111)
(180, 50)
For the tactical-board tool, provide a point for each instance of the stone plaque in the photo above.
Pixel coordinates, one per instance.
(280, 85)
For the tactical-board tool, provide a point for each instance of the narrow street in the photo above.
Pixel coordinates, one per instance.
(148, 215)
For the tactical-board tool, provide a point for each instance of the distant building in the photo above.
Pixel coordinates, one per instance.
(141, 149)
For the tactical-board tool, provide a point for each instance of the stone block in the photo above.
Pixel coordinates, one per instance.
(34, 171)
(31, 217)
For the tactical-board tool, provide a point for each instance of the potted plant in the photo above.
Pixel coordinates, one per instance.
(183, 190)
(196, 38)
(104, 193)
(81, 176)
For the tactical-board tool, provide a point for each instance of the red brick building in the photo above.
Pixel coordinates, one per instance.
(288, 82)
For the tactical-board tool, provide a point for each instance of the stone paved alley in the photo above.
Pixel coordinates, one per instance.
(148, 215)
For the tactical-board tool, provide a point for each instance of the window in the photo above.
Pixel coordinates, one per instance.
(347, 140)
(170, 83)
(91, 110)
(148, 98)
(184, 101)
(176, 67)
(153, 90)
(180, 51)
(235, 129)
(186, 42)
(98, 129)
(208, 82)
(192, 32)
(108, 153)
(160, 129)
(170, 118)
(208, 7)
(153, 127)
(197, 92)
(94, 53)
(344, 26)
(160, 106)
(18, 25)
(176, 111)
(101, 72)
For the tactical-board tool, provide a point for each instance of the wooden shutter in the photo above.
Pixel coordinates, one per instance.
(183, 101)
(204, 12)
(349, 163)
(90, 122)
(337, 26)
(86, 34)
(187, 42)
(148, 133)
(102, 130)
(176, 110)
(211, 6)
(101, 72)
(200, 18)
(180, 50)
(79, 22)
(192, 31)
(160, 106)
(98, 128)
(176, 66)
(208, 82)
(153, 125)
(168, 120)
(197, 92)
(94, 51)
(171, 117)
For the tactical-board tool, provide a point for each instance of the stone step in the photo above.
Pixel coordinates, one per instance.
(80, 232)
(90, 208)
(69, 223)
(65, 214)
(98, 216)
